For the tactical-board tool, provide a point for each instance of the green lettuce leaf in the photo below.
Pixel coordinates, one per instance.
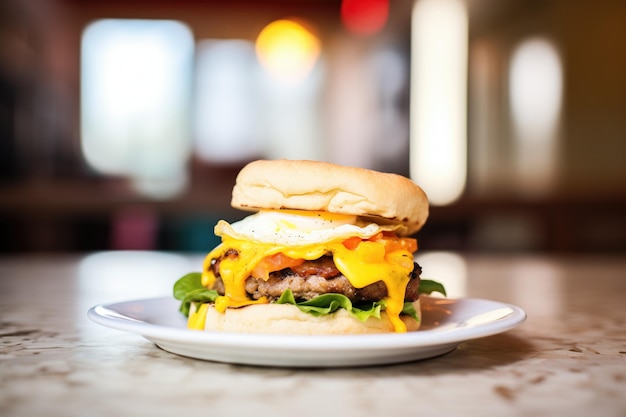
(329, 303)
(189, 289)
(428, 286)
(409, 310)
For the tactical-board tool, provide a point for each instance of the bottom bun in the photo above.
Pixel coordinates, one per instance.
(288, 319)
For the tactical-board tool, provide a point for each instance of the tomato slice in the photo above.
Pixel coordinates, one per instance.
(389, 239)
(352, 242)
(394, 243)
(274, 263)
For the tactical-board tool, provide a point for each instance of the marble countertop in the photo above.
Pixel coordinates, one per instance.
(568, 358)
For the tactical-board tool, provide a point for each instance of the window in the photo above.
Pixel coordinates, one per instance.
(135, 101)
(438, 98)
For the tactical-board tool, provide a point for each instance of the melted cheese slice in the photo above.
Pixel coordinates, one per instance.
(367, 263)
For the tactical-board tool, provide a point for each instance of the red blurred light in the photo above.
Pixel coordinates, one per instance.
(364, 17)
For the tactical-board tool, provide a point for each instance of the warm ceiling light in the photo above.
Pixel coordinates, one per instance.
(364, 17)
(287, 50)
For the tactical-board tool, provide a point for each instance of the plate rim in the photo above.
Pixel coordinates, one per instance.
(105, 314)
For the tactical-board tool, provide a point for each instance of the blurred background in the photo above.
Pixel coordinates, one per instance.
(123, 123)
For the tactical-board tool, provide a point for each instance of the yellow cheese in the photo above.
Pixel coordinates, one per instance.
(197, 319)
(366, 264)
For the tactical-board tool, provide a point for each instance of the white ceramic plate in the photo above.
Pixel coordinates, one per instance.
(445, 324)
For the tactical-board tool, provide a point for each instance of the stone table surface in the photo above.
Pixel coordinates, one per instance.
(567, 359)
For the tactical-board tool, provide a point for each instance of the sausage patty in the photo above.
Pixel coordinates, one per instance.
(313, 278)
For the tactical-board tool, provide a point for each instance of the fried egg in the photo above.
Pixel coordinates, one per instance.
(296, 228)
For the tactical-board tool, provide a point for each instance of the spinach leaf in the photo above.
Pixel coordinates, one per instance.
(428, 286)
(189, 289)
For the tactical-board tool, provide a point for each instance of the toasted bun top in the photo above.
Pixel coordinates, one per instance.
(312, 185)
